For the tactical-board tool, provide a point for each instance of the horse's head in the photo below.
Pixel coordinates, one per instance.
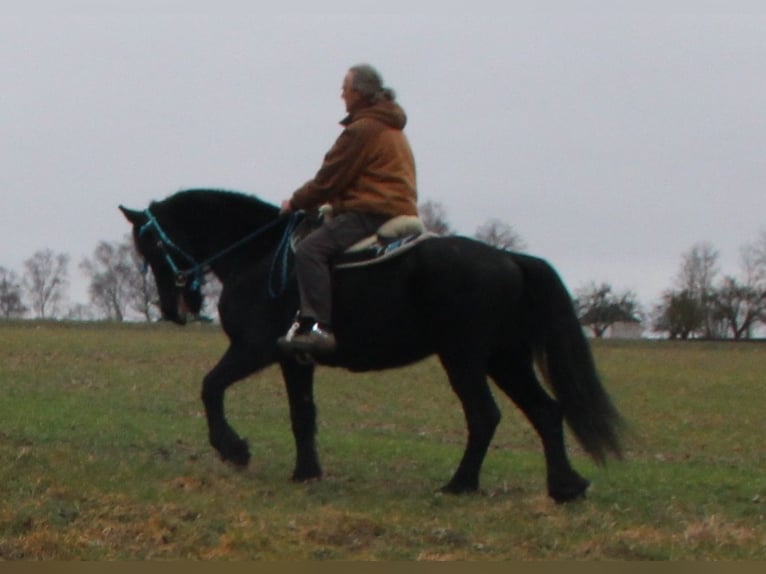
(178, 280)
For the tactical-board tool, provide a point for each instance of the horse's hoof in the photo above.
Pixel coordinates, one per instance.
(307, 475)
(237, 454)
(571, 493)
(242, 462)
(458, 489)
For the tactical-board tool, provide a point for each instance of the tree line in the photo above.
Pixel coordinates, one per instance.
(117, 286)
(701, 303)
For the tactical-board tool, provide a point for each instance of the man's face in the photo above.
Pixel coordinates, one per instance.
(349, 95)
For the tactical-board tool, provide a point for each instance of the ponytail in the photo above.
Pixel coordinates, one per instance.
(367, 81)
(384, 94)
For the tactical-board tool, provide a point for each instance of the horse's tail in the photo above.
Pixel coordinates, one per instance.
(564, 358)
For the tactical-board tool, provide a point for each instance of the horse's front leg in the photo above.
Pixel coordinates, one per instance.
(233, 366)
(299, 381)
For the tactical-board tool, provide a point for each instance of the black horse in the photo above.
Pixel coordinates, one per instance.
(481, 310)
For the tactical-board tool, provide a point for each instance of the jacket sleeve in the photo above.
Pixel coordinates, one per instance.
(341, 166)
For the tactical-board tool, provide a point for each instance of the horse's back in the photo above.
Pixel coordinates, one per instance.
(445, 291)
(439, 270)
(469, 285)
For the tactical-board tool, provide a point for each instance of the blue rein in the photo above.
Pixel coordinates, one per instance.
(198, 270)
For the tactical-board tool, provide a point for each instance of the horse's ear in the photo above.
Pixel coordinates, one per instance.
(135, 217)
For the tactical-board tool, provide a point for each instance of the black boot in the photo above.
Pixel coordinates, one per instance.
(308, 337)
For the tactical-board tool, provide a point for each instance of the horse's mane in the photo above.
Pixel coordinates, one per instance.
(217, 198)
(204, 208)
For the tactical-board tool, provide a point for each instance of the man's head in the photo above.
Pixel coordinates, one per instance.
(363, 86)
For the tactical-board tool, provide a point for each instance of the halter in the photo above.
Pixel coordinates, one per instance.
(198, 270)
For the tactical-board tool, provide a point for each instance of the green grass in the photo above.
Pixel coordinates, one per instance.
(104, 455)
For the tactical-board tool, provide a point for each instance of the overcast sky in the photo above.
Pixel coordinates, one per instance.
(612, 141)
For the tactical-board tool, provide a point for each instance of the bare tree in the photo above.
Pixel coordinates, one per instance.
(434, 216)
(680, 315)
(696, 277)
(703, 306)
(739, 306)
(753, 263)
(80, 312)
(757, 251)
(740, 303)
(109, 271)
(501, 235)
(118, 283)
(11, 304)
(699, 267)
(144, 298)
(599, 307)
(46, 280)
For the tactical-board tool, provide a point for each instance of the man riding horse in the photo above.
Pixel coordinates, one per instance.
(368, 177)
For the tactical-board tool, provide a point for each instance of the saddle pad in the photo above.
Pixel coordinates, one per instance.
(381, 250)
(395, 228)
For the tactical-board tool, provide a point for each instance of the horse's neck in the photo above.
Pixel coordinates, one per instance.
(234, 243)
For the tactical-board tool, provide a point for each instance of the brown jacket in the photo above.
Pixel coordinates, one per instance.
(370, 168)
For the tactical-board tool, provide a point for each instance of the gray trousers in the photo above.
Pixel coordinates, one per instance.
(314, 253)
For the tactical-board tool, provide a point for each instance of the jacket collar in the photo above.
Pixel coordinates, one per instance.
(388, 112)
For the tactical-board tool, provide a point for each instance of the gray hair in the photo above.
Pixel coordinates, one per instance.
(367, 81)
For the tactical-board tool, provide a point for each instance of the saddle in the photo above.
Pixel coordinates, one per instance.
(394, 237)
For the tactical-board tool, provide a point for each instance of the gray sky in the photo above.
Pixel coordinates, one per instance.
(612, 141)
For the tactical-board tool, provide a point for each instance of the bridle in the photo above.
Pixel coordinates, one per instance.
(197, 270)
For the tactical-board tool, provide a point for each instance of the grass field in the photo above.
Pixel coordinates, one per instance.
(104, 455)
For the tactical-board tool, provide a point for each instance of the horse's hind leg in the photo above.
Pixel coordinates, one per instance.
(469, 381)
(515, 375)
